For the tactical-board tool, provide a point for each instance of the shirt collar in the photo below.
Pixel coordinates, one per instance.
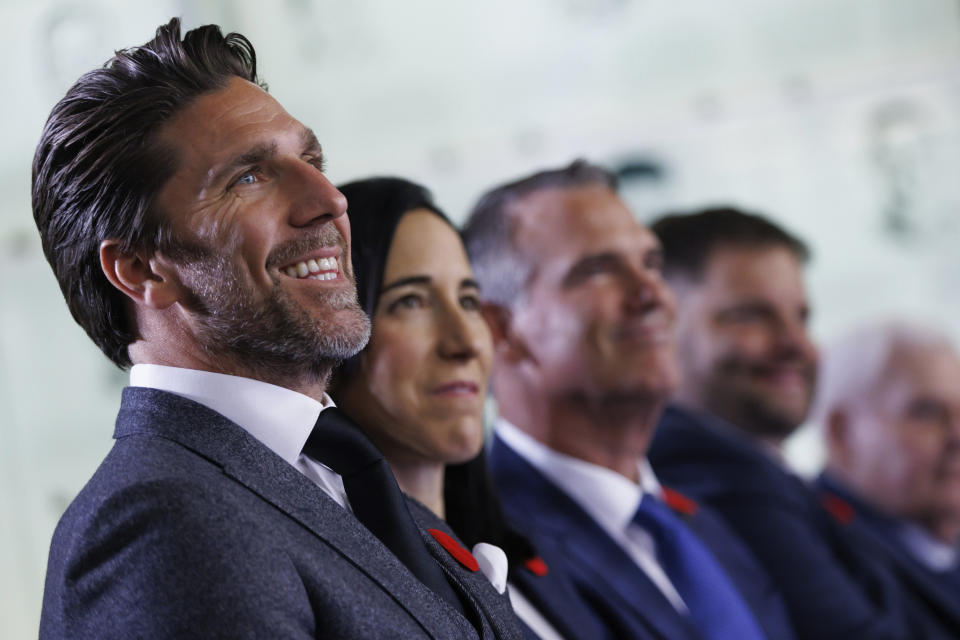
(280, 418)
(930, 552)
(608, 497)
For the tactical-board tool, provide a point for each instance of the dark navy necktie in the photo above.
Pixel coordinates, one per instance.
(375, 497)
(716, 607)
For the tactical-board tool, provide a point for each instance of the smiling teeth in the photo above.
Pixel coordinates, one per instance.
(322, 269)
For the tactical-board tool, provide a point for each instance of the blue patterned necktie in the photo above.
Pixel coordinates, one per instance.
(716, 607)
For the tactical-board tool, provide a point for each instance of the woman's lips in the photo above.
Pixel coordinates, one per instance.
(457, 388)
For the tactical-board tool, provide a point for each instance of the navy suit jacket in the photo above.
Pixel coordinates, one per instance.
(620, 595)
(833, 590)
(937, 594)
(556, 598)
(192, 528)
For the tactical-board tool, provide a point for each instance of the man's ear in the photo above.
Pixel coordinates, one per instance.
(506, 343)
(144, 278)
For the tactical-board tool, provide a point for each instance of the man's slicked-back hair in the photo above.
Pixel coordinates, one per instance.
(689, 239)
(499, 265)
(99, 165)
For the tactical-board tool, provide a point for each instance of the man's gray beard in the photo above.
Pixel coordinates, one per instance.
(276, 339)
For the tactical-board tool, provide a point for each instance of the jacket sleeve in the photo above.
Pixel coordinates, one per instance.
(165, 559)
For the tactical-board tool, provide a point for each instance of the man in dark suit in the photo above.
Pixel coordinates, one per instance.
(583, 362)
(889, 404)
(193, 233)
(748, 369)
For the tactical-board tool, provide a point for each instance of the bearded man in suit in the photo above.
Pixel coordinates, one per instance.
(195, 237)
(749, 366)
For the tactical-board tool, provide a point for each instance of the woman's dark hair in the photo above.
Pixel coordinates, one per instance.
(99, 166)
(473, 510)
(375, 207)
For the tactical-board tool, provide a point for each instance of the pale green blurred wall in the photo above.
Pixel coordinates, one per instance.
(840, 118)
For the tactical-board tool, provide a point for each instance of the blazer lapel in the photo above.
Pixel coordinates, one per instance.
(558, 601)
(250, 463)
(492, 611)
(612, 572)
(595, 559)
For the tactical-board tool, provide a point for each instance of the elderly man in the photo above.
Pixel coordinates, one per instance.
(584, 361)
(748, 368)
(188, 221)
(889, 402)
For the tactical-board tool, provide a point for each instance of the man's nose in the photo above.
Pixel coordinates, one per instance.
(314, 199)
(645, 288)
(953, 428)
(792, 336)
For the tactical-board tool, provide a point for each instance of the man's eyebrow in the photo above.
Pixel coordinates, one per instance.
(259, 154)
(598, 258)
(579, 270)
(469, 283)
(255, 155)
(424, 280)
(309, 141)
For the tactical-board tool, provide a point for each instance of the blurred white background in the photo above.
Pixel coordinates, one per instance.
(838, 118)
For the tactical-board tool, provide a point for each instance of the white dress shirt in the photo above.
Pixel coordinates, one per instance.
(608, 497)
(281, 419)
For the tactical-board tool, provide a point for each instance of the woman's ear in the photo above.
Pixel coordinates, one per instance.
(506, 343)
(142, 277)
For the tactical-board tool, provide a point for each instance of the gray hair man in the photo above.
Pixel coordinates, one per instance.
(889, 405)
(583, 363)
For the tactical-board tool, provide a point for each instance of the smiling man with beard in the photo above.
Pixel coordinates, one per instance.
(195, 237)
(748, 368)
(584, 361)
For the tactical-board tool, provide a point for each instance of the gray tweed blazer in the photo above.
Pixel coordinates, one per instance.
(191, 528)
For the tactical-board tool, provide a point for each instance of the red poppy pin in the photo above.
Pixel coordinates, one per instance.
(462, 556)
(536, 566)
(839, 508)
(679, 502)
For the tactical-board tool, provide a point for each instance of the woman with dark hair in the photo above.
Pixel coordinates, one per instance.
(418, 388)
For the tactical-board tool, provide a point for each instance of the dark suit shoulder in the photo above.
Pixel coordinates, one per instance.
(708, 459)
(831, 589)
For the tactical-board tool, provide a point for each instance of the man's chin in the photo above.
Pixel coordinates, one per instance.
(777, 421)
(347, 333)
(653, 387)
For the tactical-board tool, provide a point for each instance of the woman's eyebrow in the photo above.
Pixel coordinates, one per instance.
(405, 281)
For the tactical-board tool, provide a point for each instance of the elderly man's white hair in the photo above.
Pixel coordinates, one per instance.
(853, 366)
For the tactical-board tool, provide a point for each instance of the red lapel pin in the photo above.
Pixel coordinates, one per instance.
(536, 566)
(679, 502)
(462, 556)
(839, 508)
